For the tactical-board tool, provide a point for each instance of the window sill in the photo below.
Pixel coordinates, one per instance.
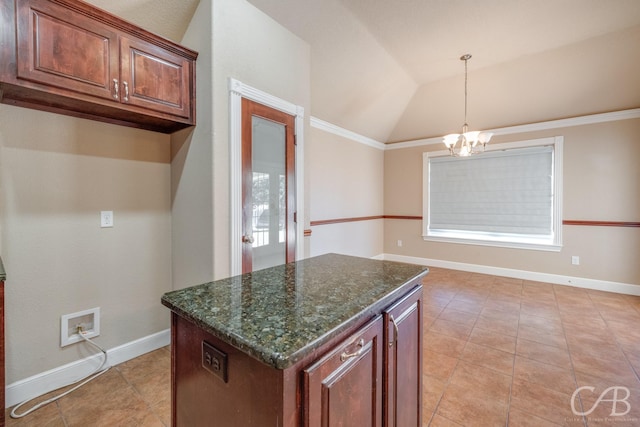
(548, 247)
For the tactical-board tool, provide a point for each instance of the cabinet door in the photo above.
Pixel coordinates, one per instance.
(61, 48)
(403, 370)
(344, 388)
(155, 78)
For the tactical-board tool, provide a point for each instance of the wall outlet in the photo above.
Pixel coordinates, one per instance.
(89, 320)
(106, 219)
(575, 260)
(399, 243)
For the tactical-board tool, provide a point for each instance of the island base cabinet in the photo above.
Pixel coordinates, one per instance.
(252, 395)
(2, 349)
(403, 356)
(344, 388)
(367, 376)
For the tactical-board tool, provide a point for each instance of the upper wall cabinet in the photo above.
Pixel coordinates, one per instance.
(69, 57)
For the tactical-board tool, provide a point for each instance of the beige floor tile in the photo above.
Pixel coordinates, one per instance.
(542, 337)
(544, 374)
(468, 410)
(479, 382)
(47, 416)
(493, 339)
(544, 353)
(444, 344)
(453, 315)
(452, 329)
(545, 403)
(613, 371)
(438, 365)
(499, 326)
(440, 421)
(518, 418)
(432, 391)
(488, 357)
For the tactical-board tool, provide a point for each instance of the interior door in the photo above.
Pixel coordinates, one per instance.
(268, 187)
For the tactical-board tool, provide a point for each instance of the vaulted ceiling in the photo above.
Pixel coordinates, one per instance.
(390, 70)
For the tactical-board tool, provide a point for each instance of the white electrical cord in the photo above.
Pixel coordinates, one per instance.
(95, 374)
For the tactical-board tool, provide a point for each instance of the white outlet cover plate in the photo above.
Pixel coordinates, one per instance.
(106, 219)
(67, 337)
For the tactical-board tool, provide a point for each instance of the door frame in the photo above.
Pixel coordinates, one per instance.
(237, 91)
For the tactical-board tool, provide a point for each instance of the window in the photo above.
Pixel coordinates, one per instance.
(508, 196)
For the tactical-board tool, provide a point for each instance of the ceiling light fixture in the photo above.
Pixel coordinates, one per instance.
(469, 140)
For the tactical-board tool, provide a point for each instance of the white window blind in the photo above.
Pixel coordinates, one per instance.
(501, 196)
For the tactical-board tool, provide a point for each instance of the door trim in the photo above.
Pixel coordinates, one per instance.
(237, 91)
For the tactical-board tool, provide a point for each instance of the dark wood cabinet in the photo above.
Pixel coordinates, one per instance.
(403, 355)
(344, 388)
(2, 348)
(154, 78)
(69, 57)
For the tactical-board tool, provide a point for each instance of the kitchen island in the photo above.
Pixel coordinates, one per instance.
(3, 277)
(327, 340)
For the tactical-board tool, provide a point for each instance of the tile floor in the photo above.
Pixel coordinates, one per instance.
(500, 351)
(497, 352)
(134, 393)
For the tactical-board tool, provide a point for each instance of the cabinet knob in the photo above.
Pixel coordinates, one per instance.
(247, 238)
(116, 89)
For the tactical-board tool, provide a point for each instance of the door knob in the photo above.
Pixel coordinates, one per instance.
(247, 239)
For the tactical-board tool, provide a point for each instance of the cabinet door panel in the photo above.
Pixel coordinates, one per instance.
(154, 78)
(344, 388)
(403, 338)
(61, 48)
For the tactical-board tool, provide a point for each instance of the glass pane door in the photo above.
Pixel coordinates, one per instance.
(268, 193)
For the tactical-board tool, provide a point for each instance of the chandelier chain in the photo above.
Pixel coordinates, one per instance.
(466, 60)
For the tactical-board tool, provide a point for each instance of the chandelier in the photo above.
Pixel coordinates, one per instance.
(468, 140)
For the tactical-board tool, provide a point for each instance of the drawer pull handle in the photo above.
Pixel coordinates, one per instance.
(395, 327)
(126, 91)
(116, 95)
(345, 356)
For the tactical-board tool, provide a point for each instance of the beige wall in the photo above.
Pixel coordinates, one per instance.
(236, 40)
(191, 168)
(601, 183)
(346, 180)
(251, 47)
(56, 174)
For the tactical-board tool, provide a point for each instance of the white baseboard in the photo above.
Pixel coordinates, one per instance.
(579, 282)
(53, 379)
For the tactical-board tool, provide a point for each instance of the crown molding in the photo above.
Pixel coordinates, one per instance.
(337, 130)
(552, 124)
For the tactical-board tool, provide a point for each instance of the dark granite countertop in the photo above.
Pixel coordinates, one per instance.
(281, 314)
(3, 275)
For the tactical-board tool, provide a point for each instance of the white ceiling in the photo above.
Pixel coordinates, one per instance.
(426, 37)
(390, 69)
